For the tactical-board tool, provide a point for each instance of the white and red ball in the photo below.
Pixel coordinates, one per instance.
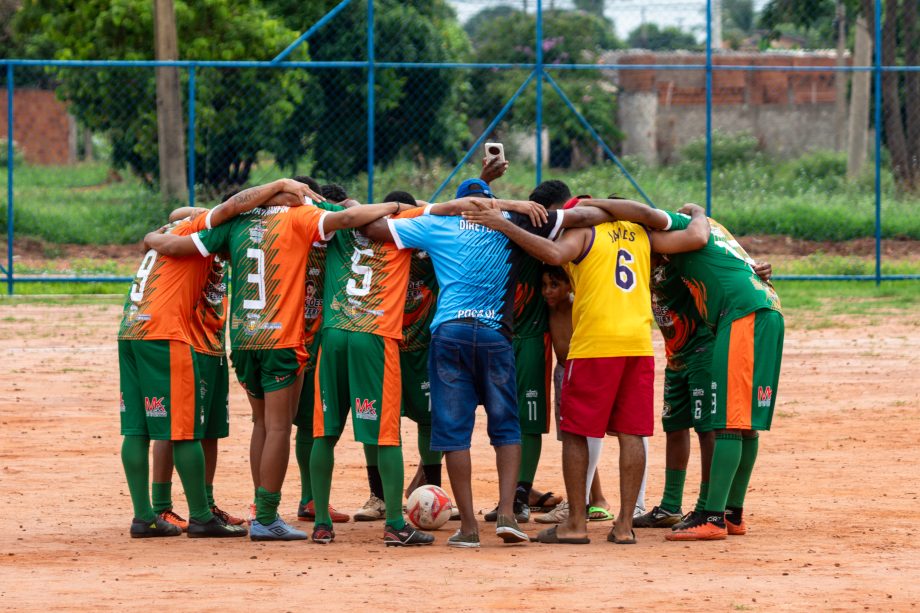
(429, 507)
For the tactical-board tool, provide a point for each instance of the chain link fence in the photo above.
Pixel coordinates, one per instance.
(796, 124)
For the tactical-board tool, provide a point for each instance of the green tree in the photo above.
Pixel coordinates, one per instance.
(570, 37)
(419, 113)
(592, 7)
(651, 36)
(240, 112)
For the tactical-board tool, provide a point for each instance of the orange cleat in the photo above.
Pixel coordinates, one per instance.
(700, 527)
(739, 529)
(225, 517)
(173, 518)
(307, 512)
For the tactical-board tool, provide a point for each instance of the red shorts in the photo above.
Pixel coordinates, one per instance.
(608, 396)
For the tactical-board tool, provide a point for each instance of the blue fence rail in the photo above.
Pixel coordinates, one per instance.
(539, 72)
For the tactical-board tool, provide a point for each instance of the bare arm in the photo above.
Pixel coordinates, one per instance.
(629, 210)
(186, 211)
(171, 245)
(357, 216)
(693, 237)
(536, 212)
(253, 197)
(566, 249)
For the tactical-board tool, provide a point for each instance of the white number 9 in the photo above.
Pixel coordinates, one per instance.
(137, 288)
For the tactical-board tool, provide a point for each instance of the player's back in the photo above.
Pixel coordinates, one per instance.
(612, 312)
(680, 323)
(164, 293)
(208, 326)
(421, 299)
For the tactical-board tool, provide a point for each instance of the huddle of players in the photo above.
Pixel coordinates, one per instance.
(352, 359)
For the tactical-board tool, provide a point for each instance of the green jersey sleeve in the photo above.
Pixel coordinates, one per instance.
(679, 221)
(216, 239)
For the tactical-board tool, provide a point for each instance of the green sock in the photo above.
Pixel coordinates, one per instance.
(209, 490)
(531, 446)
(429, 457)
(189, 459)
(743, 476)
(134, 458)
(303, 445)
(390, 462)
(673, 495)
(267, 506)
(725, 459)
(322, 460)
(162, 497)
(701, 500)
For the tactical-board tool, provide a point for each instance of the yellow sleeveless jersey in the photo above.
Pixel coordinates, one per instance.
(612, 313)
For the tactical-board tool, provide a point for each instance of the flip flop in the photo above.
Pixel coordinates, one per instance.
(611, 537)
(549, 536)
(602, 514)
(541, 503)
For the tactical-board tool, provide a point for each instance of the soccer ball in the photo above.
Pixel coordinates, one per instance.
(429, 507)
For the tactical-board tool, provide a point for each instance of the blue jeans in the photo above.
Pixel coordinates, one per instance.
(470, 364)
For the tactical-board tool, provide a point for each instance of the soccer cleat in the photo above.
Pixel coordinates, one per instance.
(639, 510)
(373, 510)
(216, 527)
(702, 526)
(657, 518)
(733, 529)
(275, 531)
(323, 534)
(172, 517)
(507, 529)
(558, 515)
(407, 536)
(225, 517)
(141, 529)
(307, 512)
(468, 541)
(521, 513)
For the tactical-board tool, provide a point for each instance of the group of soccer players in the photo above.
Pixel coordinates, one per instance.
(428, 310)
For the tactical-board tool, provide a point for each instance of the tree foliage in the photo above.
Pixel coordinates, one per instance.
(239, 112)
(670, 38)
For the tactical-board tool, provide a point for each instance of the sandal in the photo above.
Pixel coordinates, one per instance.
(599, 514)
(541, 503)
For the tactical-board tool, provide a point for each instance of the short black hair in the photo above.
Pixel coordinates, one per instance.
(230, 194)
(399, 196)
(556, 272)
(616, 196)
(308, 181)
(550, 193)
(333, 192)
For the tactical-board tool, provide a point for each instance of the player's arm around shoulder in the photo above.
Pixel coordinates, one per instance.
(253, 197)
(695, 236)
(552, 252)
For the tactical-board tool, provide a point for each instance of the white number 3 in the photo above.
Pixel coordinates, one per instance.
(258, 278)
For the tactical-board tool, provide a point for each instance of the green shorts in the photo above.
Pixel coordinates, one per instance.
(359, 373)
(159, 390)
(214, 393)
(533, 363)
(688, 399)
(304, 417)
(746, 362)
(416, 395)
(267, 370)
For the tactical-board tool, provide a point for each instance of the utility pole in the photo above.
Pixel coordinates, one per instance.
(840, 81)
(170, 133)
(717, 25)
(858, 132)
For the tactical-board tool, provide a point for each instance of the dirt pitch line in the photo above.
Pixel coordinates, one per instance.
(834, 514)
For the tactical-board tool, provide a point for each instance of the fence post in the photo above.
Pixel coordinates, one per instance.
(191, 135)
(708, 107)
(539, 73)
(370, 100)
(9, 179)
(878, 142)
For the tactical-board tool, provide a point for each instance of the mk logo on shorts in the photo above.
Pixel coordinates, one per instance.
(364, 409)
(154, 407)
(764, 396)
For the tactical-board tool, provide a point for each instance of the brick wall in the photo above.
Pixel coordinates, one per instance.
(41, 128)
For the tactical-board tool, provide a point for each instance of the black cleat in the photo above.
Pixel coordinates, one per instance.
(141, 529)
(406, 537)
(214, 528)
(657, 518)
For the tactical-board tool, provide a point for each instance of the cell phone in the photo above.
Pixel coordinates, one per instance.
(495, 150)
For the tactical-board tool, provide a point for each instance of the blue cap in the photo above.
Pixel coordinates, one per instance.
(474, 187)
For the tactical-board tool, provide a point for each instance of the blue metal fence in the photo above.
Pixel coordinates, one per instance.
(538, 72)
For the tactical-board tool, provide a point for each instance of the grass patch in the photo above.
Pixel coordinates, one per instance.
(820, 301)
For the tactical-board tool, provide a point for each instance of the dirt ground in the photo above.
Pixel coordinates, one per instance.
(833, 513)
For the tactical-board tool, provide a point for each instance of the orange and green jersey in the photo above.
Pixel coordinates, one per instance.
(162, 298)
(612, 314)
(721, 278)
(314, 285)
(530, 314)
(269, 248)
(366, 283)
(421, 303)
(209, 322)
(683, 330)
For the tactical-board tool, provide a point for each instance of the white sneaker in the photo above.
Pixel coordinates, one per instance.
(639, 510)
(556, 516)
(373, 510)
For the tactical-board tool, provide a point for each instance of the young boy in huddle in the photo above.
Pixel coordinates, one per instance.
(557, 292)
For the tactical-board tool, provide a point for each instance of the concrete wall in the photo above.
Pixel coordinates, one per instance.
(42, 129)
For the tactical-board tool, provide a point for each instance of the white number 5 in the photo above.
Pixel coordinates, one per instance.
(351, 288)
(137, 288)
(258, 278)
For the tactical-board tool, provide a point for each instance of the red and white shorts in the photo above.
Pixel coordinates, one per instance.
(608, 396)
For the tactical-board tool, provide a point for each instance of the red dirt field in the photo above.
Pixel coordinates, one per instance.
(833, 513)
